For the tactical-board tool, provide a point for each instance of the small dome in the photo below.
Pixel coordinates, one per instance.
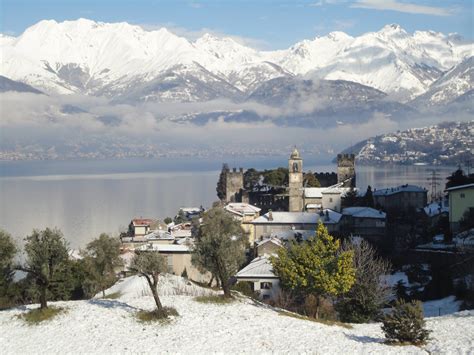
(295, 154)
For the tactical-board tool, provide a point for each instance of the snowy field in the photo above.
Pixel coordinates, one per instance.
(108, 326)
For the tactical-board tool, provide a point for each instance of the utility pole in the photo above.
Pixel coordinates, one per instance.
(434, 183)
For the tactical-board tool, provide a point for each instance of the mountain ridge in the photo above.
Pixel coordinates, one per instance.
(84, 56)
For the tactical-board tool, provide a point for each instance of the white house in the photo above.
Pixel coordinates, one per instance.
(260, 273)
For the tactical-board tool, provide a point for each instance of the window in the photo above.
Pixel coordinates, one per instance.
(265, 285)
(463, 195)
(330, 199)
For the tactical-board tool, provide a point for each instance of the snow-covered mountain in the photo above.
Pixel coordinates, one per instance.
(113, 59)
(450, 86)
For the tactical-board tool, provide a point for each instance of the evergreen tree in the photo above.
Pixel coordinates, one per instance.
(219, 246)
(7, 253)
(103, 256)
(405, 324)
(317, 266)
(458, 178)
(310, 180)
(369, 197)
(350, 199)
(150, 265)
(221, 183)
(251, 178)
(46, 254)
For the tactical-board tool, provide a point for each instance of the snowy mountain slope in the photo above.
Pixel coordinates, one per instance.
(101, 326)
(11, 85)
(450, 86)
(96, 58)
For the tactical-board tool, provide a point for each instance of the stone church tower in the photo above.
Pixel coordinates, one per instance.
(295, 183)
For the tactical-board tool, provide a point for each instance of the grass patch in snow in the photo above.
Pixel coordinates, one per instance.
(39, 315)
(155, 315)
(113, 296)
(215, 299)
(321, 321)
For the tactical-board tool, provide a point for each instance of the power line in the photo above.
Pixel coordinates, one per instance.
(434, 183)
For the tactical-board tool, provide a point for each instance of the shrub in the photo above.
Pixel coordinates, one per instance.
(405, 324)
(38, 315)
(245, 288)
(157, 314)
(216, 299)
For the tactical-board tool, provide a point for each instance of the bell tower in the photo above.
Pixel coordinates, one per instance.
(295, 182)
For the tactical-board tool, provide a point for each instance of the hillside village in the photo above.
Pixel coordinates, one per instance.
(420, 239)
(401, 222)
(448, 143)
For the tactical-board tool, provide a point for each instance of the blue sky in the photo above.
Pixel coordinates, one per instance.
(261, 23)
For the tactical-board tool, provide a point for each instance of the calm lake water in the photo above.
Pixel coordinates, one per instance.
(86, 198)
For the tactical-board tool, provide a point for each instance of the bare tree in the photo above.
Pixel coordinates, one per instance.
(370, 291)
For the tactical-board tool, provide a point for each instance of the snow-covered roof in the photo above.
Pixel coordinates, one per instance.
(314, 192)
(363, 212)
(292, 233)
(165, 248)
(260, 267)
(159, 234)
(181, 233)
(317, 192)
(273, 240)
(396, 190)
(460, 187)
(436, 208)
(328, 216)
(241, 208)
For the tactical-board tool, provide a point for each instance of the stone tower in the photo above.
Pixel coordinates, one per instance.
(346, 169)
(234, 184)
(295, 183)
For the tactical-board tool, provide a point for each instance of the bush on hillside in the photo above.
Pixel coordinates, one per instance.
(405, 324)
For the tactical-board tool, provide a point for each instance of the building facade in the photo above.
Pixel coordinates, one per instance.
(461, 200)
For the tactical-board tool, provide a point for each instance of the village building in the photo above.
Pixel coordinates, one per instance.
(365, 222)
(401, 199)
(245, 213)
(178, 259)
(268, 246)
(139, 227)
(436, 210)
(271, 223)
(461, 200)
(261, 276)
(295, 197)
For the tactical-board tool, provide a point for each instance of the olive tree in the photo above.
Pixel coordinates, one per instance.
(7, 253)
(46, 253)
(150, 265)
(103, 257)
(219, 246)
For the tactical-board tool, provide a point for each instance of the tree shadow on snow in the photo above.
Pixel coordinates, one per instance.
(112, 304)
(364, 338)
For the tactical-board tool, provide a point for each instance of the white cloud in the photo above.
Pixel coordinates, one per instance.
(395, 5)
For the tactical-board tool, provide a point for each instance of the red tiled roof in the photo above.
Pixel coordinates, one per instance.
(142, 221)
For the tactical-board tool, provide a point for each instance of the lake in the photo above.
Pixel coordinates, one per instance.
(86, 198)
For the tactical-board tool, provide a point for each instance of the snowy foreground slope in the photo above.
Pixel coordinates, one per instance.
(109, 326)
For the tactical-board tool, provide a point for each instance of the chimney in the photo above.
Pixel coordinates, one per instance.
(270, 215)
(234, 169)
(241, 170)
